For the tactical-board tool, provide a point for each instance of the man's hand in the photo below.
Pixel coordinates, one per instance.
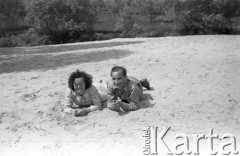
(81, 112)
(114, 105)
(128, 106)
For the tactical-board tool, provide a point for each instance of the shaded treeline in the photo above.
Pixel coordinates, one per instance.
(38, 22)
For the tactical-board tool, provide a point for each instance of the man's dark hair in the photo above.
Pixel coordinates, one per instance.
(117, 68)
(79, 74)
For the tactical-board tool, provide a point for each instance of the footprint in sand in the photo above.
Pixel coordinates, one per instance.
(36, 77)
(168, 89)
(29, 97)
(203, 76)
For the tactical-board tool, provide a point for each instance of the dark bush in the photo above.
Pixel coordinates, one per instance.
(205, 16)
(29, 38)
(6, 42)
(103, 36)
(62, 20)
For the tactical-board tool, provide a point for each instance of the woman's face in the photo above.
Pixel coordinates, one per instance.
(79, 85)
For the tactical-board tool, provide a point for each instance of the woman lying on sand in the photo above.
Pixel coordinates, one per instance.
(83, 97)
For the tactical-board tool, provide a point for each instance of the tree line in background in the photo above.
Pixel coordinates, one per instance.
(40, 22)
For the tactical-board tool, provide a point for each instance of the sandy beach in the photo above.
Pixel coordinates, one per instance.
(195, 84)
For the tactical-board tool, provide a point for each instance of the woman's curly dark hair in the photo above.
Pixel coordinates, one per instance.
(79, 74)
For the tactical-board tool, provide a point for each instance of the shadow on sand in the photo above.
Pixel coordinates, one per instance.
(144, 103)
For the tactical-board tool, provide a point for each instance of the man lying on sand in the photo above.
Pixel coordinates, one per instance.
(125, 92)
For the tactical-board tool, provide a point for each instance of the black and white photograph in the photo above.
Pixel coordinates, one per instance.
(119, 77)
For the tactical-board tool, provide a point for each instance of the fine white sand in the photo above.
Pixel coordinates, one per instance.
(195, 84)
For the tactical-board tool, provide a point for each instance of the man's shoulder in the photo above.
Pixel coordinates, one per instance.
(133, 79)
(132, 83)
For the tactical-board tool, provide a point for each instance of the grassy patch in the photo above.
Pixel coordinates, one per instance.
(45, 62)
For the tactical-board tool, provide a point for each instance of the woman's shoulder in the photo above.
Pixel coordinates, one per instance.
(69, 92)
(92, 88)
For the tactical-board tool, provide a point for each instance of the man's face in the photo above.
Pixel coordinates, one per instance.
(119, 80)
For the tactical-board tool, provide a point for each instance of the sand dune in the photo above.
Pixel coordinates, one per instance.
(195, 82)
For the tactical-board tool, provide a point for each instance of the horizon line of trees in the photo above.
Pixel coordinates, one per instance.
(39, 22)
